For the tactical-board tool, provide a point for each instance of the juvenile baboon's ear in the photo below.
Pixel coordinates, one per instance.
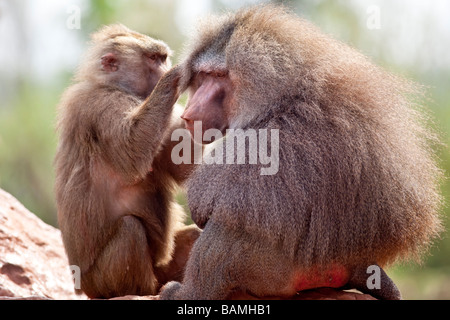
(110, 62)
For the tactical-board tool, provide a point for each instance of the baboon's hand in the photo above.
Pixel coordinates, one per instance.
(169, 291)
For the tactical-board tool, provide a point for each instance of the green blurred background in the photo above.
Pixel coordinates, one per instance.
(41, 45)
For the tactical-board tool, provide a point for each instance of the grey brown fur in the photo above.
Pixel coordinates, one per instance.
(114, 177)
(357, 183)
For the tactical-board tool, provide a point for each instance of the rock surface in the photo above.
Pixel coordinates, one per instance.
(317, 294)
(33, 263)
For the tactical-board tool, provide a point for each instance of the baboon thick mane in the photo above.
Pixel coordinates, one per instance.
(358, 179)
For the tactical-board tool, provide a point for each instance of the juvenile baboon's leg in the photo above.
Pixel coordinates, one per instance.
(125, 256)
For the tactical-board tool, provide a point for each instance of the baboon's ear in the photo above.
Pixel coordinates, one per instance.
(110, 62)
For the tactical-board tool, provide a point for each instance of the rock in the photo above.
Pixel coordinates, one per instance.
(316, 294)
(33, 263)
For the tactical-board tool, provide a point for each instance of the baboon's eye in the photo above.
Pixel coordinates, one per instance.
(221, 74)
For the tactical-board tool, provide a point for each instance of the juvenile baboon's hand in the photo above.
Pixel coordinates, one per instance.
(168, 85)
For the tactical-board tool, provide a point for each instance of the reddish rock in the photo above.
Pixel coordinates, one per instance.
(33, 263)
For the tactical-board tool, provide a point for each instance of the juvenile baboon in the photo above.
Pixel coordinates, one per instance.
(357, 183)
(114, 175)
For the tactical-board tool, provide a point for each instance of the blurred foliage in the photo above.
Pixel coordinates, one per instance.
(152, 17)
(27, 113)
(27, 148)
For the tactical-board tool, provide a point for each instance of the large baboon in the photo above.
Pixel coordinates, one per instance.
(357, 183)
